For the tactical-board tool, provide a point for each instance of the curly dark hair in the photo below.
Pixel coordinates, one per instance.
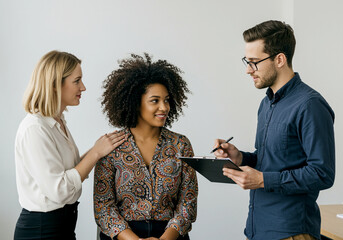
(125, 86)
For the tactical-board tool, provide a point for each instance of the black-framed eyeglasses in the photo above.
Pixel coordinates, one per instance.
(253, 65)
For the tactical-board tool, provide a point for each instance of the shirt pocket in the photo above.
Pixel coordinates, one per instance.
(277, 136)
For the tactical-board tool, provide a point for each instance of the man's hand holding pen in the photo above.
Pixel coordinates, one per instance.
(250, 178)
(227, 150)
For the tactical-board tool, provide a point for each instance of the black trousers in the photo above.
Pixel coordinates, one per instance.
(145, 229)
(54, 225)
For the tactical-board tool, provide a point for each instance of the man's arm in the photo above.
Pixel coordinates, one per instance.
(316, 133)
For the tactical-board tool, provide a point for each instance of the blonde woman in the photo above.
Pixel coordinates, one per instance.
(49, 170)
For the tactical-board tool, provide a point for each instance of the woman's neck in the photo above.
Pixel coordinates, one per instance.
(59, 115)
(143, 133)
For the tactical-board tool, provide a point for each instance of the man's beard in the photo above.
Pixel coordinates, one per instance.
(268, 80)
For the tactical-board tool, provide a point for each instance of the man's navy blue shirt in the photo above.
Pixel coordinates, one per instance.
(295, 150)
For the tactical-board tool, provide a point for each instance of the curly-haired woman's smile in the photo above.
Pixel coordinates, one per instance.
(154, 106)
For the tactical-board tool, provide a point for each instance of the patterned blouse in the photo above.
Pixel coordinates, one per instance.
(125, 189)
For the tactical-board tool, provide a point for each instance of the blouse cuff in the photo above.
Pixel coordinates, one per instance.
(117, 228)
(180, 224)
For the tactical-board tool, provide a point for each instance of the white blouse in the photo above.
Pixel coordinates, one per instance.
(45, 159)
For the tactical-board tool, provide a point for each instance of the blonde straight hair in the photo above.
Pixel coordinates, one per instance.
(43, 94)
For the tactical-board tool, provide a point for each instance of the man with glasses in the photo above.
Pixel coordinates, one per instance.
(295, 150)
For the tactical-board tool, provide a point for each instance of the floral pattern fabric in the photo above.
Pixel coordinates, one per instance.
(126, 189)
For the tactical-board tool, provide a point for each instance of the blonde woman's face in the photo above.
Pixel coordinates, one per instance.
(72, 88)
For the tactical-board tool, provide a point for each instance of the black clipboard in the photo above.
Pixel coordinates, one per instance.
(211, 168)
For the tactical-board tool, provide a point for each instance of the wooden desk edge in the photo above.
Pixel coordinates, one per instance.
(325, 232)
(329, 235)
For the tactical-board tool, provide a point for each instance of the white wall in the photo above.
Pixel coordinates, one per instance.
(203, 38)
(319, 49)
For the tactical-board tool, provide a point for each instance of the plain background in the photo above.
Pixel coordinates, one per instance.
(204, 39)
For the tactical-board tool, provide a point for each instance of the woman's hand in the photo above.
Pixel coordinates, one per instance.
(127, 234)
(103, 146)
(169, 234)
(150, 238)
(107, 143)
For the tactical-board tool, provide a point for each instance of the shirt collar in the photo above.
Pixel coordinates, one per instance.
(284, 90)
(50, 120)
(164, 133)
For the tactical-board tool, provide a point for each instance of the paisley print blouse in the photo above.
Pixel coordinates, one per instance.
(125, 189)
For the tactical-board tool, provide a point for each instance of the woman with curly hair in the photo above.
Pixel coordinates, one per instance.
(142, 190)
